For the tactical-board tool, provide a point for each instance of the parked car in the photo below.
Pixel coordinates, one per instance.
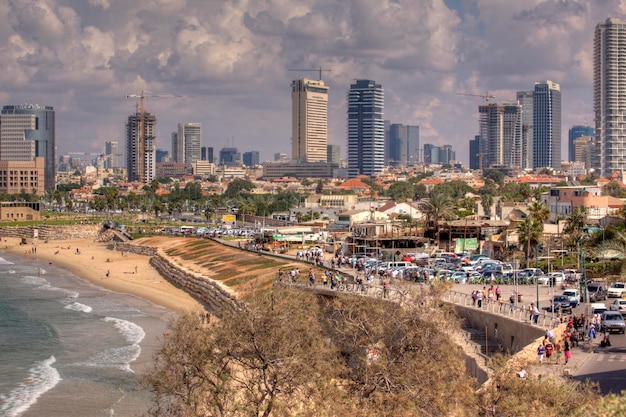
(613, 321)
(571, 275)
(617, 290)
(560, 303)
(618, 305)
(597, 291)
(574, 296)
(598, 308)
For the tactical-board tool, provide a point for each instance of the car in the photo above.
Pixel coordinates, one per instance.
(560, 303)
(597, 291)
(571, 275)
(613, 321)
(618, 305)
(574, 296)
(598, 308)
(617, 290)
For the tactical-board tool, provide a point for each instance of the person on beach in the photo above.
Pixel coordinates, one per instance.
(541, 351)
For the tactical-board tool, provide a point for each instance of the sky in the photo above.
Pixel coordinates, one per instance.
(233, 58)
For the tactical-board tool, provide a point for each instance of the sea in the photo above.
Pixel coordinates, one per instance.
(70, 348)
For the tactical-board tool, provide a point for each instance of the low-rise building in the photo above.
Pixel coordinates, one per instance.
(22, 176)
(20, 210)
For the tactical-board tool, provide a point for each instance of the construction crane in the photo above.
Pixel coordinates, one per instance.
(320, 70)
(141, 110)
(485, 96)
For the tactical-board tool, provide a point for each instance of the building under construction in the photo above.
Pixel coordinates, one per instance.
(140, 147)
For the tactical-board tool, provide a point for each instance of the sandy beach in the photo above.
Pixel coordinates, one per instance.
(113, 270)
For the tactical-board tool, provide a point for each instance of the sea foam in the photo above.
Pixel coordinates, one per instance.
(79, 307)
(42, 378)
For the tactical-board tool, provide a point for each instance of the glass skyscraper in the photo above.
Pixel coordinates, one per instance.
(366, 128)
(27, 132)
(574, 133)
(547, 125)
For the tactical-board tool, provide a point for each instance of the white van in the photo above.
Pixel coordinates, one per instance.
(399, 264)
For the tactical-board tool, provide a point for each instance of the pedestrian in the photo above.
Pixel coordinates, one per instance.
(535, 312)
(592, 332)
(512, 301)
(108, 273)
(479, 299)
(208, 318)
(549, 350)
(567, 350)
(311, 277)
(541, 351)
(559, 352)
(385, 289)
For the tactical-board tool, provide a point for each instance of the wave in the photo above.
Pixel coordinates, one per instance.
(42, 378)
(131, 331)
(79, 307)
(43, 284)
(5, 262)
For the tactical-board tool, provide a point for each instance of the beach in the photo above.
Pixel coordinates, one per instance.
(114, 270)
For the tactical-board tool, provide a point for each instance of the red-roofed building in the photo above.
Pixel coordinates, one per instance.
(430, 183)
(354, 184)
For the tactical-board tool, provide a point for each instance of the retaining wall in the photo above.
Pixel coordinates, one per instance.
(43, 232)
(136, 249)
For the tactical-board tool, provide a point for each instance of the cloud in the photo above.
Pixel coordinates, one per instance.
(234, 57)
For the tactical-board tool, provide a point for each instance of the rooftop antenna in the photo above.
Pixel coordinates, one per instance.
(319, 70)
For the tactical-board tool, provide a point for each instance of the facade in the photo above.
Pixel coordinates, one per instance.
(609, 100)
(20, 210)
(525, 100)
(438, 154)
(18, 176)
(474, 150)
(230, 157)
(281, 156)
(141, 148)
(27, 131)
(279, 169)
(203, 168)
(547, 125)
(206, 154)
(162, 156)
(111, 155)
(251, 159)
(309, 110)
(500, 134)
(583, 150)
(191, 133)
(171, 170)
(402, 144)
(333, 154)
(366, 128)
(574, 133)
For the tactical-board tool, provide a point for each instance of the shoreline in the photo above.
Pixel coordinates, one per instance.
(113, 270)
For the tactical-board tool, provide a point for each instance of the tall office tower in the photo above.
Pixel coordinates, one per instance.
(582, 150)
(574, 133)
(280, 156)
(229, 157)
(366, 128)
(191, 134)
(27, 131)
(251, 159)
(474, 150)
(333, 154)
(402, 145)
(309, 120)
(428, 153)
(141, 147)
(162, 156)
(178, 150)
(446, 154)
(547, 125)
(525, 99)
(500, 134)
(206, 154)
(609, 100)
(111, 155)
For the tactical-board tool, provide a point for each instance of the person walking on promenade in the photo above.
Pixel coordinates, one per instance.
(512, 301)
(559, 352)
(535, 312)
(567, 350)
(385, 289)
(479, 299)
(541, 351)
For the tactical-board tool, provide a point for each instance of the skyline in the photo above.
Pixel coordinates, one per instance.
(234, 57)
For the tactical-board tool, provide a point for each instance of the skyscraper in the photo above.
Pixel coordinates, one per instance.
(309, 101)
(27, 131)
(111, 155)
(525, 100)
(366, 128)
(206, 154)
(547, 125)
(474, 150)
(251, 159)
(609, 100)
(574, 133)
(333, 154)
(141, 147)
(229, 157)
(402, 145)
(186, 143)
(500, 134)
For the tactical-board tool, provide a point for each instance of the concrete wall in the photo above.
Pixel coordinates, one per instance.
(511, 334)
(52, 232)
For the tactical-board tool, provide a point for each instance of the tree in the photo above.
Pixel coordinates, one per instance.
(487, 201)
(530, 231)
(319, 189)
(248, 363)
(237, 185)
(614, 190)
(539, 211)
(439, 206)
(401, 191)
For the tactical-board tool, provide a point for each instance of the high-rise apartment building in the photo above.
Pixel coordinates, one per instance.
(500, 134)
(309, 101)
(186, 143)
(333, 154)
(366, 128)
(141, 147)
(525, 100)
(609, 99)
(229, 157)
(111, 155)
(574, 133)
(251, 159)
(547, 125)
(27, 131)
(402, 143)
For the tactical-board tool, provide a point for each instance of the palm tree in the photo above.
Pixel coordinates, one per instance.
(439, 206)
(616, 248)
(576, 222)
(539, 211)
(530, 230)
(487, 202)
